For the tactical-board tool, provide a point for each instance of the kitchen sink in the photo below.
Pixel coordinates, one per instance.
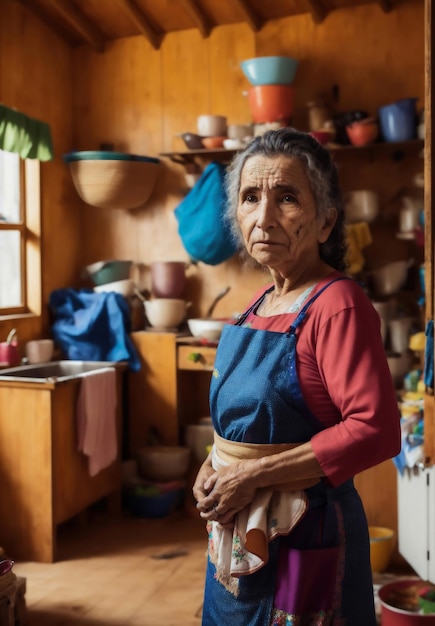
(54, 371)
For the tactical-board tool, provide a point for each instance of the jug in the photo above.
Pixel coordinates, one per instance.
(168, 279)
(398, 120)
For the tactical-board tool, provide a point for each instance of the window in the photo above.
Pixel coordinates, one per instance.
(19, 235)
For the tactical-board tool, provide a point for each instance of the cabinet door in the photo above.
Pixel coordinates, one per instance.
(413, 522)
(431, 525)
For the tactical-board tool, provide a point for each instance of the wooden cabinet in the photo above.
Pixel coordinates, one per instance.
(171, 388)
(44, 478)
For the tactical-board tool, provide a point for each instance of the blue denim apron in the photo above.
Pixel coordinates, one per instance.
(320, 573)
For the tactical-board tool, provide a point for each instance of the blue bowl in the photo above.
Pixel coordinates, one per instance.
(152, 504)
(106, 155)
(270, 70)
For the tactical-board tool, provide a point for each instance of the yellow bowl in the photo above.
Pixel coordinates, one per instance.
(381, 547)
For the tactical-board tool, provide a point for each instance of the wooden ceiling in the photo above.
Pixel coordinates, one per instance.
(96, 22)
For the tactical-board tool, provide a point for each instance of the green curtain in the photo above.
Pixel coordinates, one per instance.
(30, 138)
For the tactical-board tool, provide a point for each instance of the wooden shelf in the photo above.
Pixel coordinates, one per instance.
(190, 158)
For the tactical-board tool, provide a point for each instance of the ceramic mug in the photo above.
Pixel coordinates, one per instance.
(168, 279)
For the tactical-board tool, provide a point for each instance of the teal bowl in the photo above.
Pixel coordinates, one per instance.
(106, 155)
(104, 272)
(275, 70)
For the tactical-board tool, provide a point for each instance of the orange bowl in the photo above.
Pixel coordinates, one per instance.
(271, 103)
(213, 142)
(363, 133)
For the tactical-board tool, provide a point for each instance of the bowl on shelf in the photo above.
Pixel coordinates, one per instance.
(270, 70)
(271, 103)
(113, 180)
(165, 312)
(212, 125)
(110, 271)
(208, 329)
(163, 463)
(192, 141)
(389, 278)
(323, 136)
(363, 132)
(213, 142)
(124, 287)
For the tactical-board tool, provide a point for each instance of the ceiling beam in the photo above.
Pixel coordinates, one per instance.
(317, 10)
(140, 20)
(201, 21)
(385, 5)
(249, 15)
(45, 18)
(78, 22)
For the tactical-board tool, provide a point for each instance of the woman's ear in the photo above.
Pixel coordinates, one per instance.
(327, 223)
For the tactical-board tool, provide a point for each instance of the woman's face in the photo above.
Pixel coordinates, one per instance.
(277, 214)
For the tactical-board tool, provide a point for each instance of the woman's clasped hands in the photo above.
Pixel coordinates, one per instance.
(220, 494)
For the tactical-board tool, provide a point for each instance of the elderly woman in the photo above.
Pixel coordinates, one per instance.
(301, 400)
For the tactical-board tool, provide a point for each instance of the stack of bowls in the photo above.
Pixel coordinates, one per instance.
(111, 276)
(271, 97)
(167, 308)
(213, 130)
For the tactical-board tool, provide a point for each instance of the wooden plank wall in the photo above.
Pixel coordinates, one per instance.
(138, 99)
(35, 78)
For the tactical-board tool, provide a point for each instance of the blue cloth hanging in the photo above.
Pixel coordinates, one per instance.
(201, 224)
(429, 356)
(90, 326)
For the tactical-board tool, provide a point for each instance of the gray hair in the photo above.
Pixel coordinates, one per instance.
(323, 178)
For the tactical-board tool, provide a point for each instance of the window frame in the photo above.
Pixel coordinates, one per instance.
(30, 234)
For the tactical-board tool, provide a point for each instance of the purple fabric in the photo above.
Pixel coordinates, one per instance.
(306, 580)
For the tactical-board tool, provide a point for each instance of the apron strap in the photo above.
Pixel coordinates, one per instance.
(303, 312)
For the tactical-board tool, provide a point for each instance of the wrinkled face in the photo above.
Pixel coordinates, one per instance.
(277, 214)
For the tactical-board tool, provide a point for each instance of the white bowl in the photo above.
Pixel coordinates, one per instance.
(240, 131)
(163, 463)
(165, 312)
(39, 350)
(124, 287)
(197, 438)
(233, 144)
(361, 206)
(390, 278)
(209, 329)
(212, 125)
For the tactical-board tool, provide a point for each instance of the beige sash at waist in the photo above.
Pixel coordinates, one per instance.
(239, 451)
(232, 451)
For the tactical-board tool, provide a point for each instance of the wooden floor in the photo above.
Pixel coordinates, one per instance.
(124, 572)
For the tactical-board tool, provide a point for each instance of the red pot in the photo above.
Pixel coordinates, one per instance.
(271, 103)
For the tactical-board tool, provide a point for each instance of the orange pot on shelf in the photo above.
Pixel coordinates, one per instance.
(271, 103)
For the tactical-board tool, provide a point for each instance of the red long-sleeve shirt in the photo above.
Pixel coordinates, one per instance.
(345, 379)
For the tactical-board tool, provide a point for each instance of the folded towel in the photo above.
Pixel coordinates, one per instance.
(96, 418)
